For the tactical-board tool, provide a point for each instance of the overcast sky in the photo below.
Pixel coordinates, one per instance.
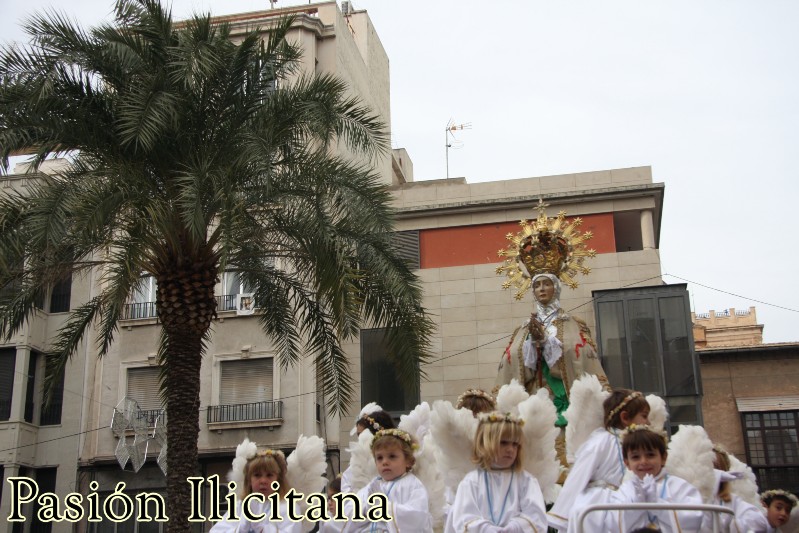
(704, 92)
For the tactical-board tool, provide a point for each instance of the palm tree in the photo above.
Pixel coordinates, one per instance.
(189, 155)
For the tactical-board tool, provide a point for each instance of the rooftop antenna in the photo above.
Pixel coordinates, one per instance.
(272, 3)
(448, 132)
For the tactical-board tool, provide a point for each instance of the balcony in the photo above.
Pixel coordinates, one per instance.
(258, 414)
(144, 310)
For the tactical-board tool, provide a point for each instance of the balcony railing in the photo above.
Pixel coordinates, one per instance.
(245, 411)
(140, 310)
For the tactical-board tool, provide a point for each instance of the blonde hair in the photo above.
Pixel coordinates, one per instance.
(722, 462)
(491, 431)
(270, 462)
(391, 439)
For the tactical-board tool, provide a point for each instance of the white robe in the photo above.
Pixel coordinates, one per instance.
(408, 507)
(242, 525)
(676, 490)
(747, 517)
(523, 507)
(597, 472)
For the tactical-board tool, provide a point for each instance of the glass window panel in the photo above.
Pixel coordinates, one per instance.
(770, 420)
(145, 290)
(644, 344)
(615, 358)
(751, 420)
(379, 378)
(675, 343)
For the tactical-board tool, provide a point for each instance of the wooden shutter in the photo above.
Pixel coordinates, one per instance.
(143, 387)
(245, 381)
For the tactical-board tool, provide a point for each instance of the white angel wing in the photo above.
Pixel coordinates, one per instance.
(307, 465)
(244, 452)
(453, 432)
(746, 487)
(510, 396)
(658, 412)
(362, 463)
(792, 525)
(417, 422)
(540, 458)
(585, 412)
(428, 471)
(691, 458)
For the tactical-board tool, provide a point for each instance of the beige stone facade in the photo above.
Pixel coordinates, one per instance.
(731, 327)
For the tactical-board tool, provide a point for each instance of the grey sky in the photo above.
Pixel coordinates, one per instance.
(704, 92)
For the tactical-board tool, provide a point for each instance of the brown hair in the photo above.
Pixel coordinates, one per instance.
(381, 442)
(722, 462)
(488, 437)
(643, 439)
(477, 401)
(379, 418)
(632, 402)
(270, 463)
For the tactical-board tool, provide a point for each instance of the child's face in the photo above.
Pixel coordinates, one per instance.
(778, 512)
(331, 504)
(643, 462)
(506, 455)
(391, 462)
(641, 418)
(261, 481)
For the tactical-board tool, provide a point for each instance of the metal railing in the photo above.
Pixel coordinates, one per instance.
(245, 411)
(140, 310)
(715, 509)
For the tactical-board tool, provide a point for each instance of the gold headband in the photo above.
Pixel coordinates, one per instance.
(630, 397)
(769, 494)
(632, 428)
(269, 453)
(474, 392)
(496, 416)
(396, 433)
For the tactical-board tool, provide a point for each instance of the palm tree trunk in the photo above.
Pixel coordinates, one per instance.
(186, 306)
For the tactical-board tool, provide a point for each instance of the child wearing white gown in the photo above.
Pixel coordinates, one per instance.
(747, 517)
(264, 473)
(778, 505)
(645, 454)
(407, 499)
(499, 496)
(598, 467)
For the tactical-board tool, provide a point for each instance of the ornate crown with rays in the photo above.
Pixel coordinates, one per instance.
(545, 245)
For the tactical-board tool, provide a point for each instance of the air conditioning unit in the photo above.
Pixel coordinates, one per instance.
(346, 8)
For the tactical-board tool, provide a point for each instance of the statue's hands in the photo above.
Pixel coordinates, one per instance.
(536, 328)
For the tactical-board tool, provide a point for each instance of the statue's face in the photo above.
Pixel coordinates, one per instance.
(544, 290)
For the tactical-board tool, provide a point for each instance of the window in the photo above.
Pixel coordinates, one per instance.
(246, 391)
(142, 300)
(143, 386)
(406, 244)
(51, 414)
(232, 284)
(60, 295)
(8, 360)
(45, 479)
(646, 344)
(772, 448)
(30, 387)
(378, 377)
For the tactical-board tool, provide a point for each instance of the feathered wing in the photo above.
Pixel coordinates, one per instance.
(244, 452)
(658, 412)
(307, 465)
(428, 470)
(510, 396)
(362, 463)
(691, 458)
(745, 487)
(453, 431)
(540, 458)
(417, 422)
(585, 412)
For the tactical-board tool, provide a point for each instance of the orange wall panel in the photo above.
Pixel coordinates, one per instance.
(478, 244)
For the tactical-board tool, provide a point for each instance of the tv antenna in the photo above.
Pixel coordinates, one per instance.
(448, 132)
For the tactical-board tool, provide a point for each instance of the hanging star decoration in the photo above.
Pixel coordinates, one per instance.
(128, 417)
(545, 245)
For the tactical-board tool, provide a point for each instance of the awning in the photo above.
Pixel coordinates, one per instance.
(767, 403)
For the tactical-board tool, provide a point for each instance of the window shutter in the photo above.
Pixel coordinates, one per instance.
(406, 244)
(245, 381)
(143, 387)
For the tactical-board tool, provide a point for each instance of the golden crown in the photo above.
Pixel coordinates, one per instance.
(545, 246)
